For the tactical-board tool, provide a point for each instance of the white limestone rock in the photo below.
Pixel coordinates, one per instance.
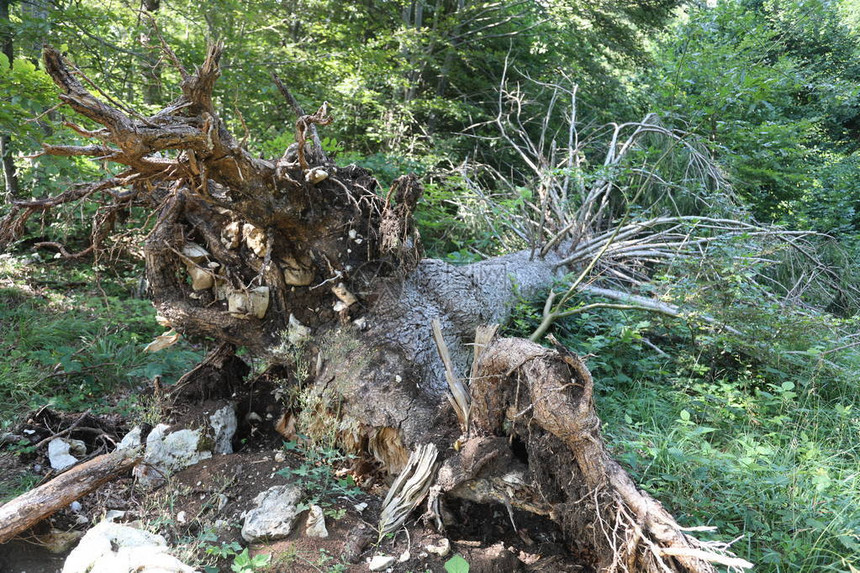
(379, 562)
(112, 547)
(274, 515)
(60, 452)
(169, 452)
(316, 523)
(130, 440)
(224, 424)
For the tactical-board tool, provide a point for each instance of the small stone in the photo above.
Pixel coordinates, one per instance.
(404, 557)
(113, 514)
(181, 517)
(75, 506)
(441, 549)
(359, 507)
(381, 562)
(316, 523)
(131, 439)
(280, 456)
(58, 454)
(274, 514)
(224, 424)
(77, 448)
(316, 175)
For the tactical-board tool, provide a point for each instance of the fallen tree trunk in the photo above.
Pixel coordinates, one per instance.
(312, 267)
(28, 509)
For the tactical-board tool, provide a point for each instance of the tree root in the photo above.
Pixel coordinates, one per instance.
(545, 400)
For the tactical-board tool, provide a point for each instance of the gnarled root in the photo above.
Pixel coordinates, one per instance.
(544, 398)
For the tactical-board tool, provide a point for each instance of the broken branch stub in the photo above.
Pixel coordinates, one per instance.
(409, 489)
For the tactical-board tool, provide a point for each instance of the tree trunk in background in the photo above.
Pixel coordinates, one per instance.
(10, 175)
(152, 48)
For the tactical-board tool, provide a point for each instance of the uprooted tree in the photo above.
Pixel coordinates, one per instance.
(311, 265)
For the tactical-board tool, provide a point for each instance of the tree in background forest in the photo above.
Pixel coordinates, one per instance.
(400, 77)
(773, 84)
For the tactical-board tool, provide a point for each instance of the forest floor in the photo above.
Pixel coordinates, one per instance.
(199, 510)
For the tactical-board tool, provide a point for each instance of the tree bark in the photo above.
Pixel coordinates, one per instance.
(312, 267)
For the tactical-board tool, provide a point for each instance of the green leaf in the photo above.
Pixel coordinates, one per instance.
(457, 565)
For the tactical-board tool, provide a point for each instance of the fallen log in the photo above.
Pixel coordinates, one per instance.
(30, 508)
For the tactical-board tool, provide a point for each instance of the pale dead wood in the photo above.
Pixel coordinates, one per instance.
(459, 397)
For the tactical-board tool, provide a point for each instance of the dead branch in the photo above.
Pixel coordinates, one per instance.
(28, 509)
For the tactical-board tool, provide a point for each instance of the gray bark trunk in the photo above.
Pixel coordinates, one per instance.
(391, 375)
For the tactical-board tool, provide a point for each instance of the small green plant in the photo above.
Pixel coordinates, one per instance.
(224, 550)
(244, 563)
(317, 476)
(457, 564)
(327, 561)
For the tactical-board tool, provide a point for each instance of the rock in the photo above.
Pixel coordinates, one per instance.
(224, 423)
(274, 515)
(378, 563)
(114, 514)
(130, 440)
(170, 452)
(404, 557)
(112, 547)
(441, 549)
(316, 523)
(77, 448)
(58, 452)
(297, 333)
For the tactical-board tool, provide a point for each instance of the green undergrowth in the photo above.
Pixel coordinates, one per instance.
(755, 433)
(73, 340)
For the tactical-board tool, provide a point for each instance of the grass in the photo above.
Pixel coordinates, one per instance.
(70, 339)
